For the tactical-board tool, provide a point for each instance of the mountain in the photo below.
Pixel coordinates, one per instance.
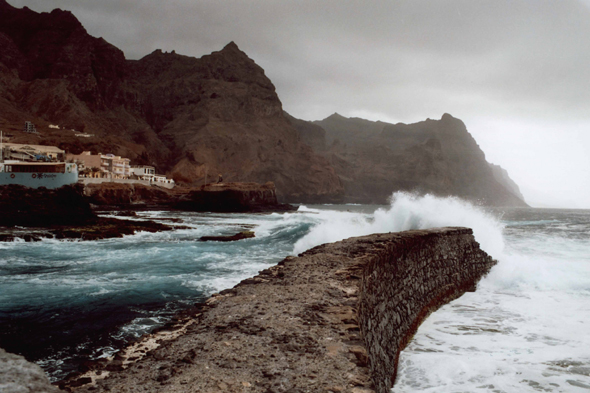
(192, 118)
(375, 159)
(501, 175)
(195, 118)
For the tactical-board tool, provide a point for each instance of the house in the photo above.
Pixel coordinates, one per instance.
(143, 172)
(20, 152)
(148, 173)
(102, 165)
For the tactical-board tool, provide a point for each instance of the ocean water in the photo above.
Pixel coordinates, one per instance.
(524, 330)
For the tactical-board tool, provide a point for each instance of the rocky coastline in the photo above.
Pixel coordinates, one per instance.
(70, 212)
(331, 320)
(218, 197)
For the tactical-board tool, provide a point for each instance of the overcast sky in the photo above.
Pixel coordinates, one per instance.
(516, 72)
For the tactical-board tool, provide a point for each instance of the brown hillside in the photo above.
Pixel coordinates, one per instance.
(189, 117)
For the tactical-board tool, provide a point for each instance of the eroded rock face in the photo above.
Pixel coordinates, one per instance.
(231, 197)
(18, 375)
(502, 176)
(190, 117)
(121, 194)
(376, 159)
(222, 197)
(333, 319)
(40, 207)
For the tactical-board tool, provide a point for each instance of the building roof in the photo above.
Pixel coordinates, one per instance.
(34, 148)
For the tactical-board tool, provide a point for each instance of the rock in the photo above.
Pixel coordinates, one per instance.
(502, 177)
(237, 236)
(41, 207)
(223, 197)
(440, 157)
(232, 197)
(19, 375)
(126, 194)
(290, 331)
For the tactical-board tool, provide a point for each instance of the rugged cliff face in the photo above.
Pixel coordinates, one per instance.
(223, 197)
(375, 159)
(503, 178)
(193, 118)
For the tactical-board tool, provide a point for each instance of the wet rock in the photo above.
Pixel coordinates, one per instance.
(19, 375)
(237, 236)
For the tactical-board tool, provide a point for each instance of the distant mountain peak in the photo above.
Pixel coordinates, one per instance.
(231, 46)
(335, 115)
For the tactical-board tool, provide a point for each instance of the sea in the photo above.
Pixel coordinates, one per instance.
(525, 329)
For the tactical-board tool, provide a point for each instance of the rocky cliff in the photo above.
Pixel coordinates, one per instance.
(502, 176)
(192, 118)
(232, 197)
(218, 197)
(375, 159)
(333, 319)
(40, 207)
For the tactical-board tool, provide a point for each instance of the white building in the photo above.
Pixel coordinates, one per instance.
(144, 172)
(148, 173)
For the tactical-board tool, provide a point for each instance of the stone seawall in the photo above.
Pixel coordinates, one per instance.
(411, 276)
(331, 320)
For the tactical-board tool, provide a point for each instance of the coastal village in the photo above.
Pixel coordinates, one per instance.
(49, 166)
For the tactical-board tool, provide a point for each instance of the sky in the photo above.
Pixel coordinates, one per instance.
(517, 72)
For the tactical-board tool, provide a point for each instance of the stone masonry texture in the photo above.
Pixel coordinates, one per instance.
(333, 319)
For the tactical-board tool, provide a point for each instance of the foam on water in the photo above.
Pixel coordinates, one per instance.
(121, 288)
(525, 329)
(406, 212)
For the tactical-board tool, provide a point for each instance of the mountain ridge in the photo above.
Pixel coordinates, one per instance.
(194, 118)
(376, 159)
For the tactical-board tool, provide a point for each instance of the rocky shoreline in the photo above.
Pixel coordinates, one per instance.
(101, 228)
(310, 323)
(70, 212)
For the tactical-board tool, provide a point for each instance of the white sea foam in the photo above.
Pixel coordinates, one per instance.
(406, 212)
(524, 330)
(527, 321)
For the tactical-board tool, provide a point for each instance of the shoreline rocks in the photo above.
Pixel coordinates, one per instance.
(41, 207)
(232, 238)
(222, 197)
(101, 228)
(232, 197)
(67, 212)
(19, 375)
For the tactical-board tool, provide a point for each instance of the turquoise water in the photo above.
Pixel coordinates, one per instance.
(64, 301)
(525, 329)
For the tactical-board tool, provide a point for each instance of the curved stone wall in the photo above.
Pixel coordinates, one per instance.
(333, 319)
(412, 275)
